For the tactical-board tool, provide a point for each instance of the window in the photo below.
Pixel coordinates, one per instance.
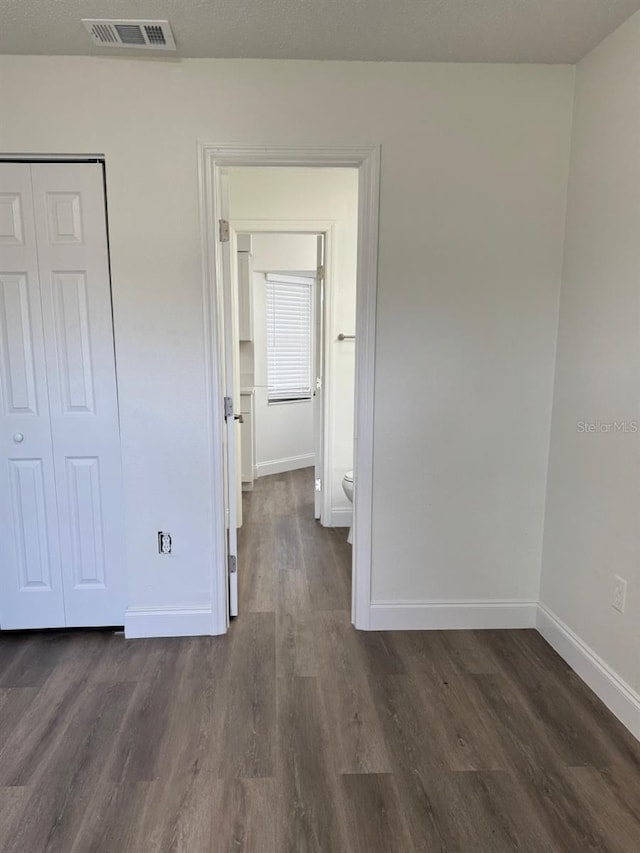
(289, 337)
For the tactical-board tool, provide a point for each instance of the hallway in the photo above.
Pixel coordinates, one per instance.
(289, 564)
(297, 734)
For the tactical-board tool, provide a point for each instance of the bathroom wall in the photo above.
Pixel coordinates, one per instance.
(284, 252)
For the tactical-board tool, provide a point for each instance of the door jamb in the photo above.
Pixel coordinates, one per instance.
(211, 160)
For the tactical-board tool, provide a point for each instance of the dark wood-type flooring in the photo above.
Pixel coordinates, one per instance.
(295, 733)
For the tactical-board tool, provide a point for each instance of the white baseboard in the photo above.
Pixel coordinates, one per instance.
(339, 518)
(289, 463)
(451, 615)
(168, 622)
(617, 695)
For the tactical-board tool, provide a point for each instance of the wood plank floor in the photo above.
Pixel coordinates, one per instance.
(297, 734)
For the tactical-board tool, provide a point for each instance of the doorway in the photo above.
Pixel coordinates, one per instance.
(223, 384)
(280, 286)
(285, 283)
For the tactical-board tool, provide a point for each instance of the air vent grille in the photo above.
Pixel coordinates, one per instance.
(104, 34)
(140, 35)
(130, 34)
(154, 34)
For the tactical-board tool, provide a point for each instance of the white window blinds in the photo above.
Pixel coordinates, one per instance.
(289, 337)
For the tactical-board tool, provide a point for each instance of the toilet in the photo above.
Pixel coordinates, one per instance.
(347, 485)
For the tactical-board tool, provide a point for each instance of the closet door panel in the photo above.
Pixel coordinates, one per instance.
(78, 328)
(31, 593)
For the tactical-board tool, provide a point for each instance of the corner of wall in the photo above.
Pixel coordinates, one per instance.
(615, 693)
(557, 329)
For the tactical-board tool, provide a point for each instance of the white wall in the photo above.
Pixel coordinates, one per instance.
(474, 169)
(329, 195)
(284, 252)
(592, 528)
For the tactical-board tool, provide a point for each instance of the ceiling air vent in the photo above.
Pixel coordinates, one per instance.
(141, 35)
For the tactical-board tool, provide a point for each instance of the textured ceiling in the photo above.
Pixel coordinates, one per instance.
(427, 30)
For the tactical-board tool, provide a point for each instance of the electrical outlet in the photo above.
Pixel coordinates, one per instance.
(164, 542)
(619, 593)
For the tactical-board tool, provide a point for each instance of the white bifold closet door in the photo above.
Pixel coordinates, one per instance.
(61, 542)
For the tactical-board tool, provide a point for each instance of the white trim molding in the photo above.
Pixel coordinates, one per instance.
(289, 463)
(617, 695)
(212, 160)
(51, 158)
(339, 517)
(169, 622)
(451, 615)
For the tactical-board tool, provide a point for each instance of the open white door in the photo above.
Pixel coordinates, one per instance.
(231, 389)
(319, 378)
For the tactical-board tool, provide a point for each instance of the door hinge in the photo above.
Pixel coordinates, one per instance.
(228, 407)
(233, 564)
(318, 383)
(223, 226)
(320, 272)
(318, 485)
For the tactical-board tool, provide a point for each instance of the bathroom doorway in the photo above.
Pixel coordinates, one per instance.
(280, 280)
(220, 168)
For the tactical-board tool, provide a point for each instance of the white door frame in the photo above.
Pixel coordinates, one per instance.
(211, 160)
